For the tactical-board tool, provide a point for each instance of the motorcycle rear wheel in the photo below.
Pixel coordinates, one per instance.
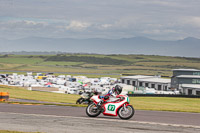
(91, 112)
(126, 114)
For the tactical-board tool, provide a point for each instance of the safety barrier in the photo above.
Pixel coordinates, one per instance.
(4, 96)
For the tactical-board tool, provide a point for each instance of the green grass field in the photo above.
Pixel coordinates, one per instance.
(102, 64)
(167, 104)
(139, 103)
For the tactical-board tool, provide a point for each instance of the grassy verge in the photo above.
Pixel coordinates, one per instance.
(166, 104)
(18, 92)
(6, 131)
(141, 103)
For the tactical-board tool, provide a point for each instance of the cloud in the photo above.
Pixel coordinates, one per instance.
(77, 25)
(22, 24)
(193, 21)
(159, 31)
(33, 23)
(169, 3)
(106, 26)
(104, 18)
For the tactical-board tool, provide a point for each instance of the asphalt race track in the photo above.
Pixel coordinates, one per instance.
(65, 119)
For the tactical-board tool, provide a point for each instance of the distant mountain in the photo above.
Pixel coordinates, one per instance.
(188, 47)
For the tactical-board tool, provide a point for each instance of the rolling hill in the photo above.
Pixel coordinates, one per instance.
(188, 47)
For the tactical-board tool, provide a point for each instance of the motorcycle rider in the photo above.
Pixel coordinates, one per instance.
(112, 95)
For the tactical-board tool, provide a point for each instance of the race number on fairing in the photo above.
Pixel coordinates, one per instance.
(111, 107)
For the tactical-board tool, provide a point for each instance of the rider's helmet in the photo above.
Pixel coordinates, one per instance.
(117, 89)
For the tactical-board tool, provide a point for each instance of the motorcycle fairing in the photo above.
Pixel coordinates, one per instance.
(111, 108)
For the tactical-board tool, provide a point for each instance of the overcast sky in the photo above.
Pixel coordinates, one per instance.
(156, 19)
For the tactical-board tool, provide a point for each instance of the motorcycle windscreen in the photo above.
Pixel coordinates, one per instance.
(96, 98)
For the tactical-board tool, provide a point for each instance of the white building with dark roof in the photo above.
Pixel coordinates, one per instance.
(187, 81)
(155, 82)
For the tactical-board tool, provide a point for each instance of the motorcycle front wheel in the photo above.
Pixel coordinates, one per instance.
(126, 113)
(91, 111)
(79, 101)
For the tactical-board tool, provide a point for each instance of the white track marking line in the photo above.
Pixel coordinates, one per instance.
(112, 120)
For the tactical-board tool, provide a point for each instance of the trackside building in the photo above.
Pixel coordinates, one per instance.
(187, 81)
(155, 82)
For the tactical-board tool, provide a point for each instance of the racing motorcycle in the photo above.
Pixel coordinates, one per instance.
(120, 107)
(85, 98)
